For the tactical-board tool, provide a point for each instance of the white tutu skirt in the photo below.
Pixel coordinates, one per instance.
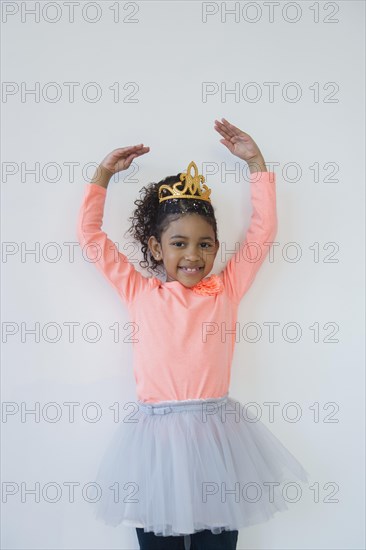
(178, 467)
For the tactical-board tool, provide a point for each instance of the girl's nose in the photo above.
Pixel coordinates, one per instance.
(192, 256)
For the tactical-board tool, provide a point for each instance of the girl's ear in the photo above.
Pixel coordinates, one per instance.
(154, 247)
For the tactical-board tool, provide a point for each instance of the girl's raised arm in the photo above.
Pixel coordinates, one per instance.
(242, 268)
(97, 247)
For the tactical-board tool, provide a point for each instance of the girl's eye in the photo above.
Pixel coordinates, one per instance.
(180, 242)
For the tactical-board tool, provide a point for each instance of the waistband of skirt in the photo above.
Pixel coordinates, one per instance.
(165, 407)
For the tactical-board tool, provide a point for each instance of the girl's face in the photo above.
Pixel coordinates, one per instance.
(188, 242)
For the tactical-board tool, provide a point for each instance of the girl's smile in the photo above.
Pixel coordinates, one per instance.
(191, 270)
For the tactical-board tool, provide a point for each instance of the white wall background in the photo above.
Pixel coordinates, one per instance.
(169, 52)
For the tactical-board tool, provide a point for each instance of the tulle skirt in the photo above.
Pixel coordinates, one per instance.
(178, 467)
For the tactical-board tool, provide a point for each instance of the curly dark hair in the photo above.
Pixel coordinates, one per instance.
(148, 219)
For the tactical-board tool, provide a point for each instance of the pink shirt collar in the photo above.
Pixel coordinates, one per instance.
(206, 287)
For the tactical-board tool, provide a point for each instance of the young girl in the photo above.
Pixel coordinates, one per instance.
(188, 458)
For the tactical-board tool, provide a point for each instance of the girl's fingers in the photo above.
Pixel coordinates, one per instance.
(223, 123)
(123, 150)
(222, 126)
(233, 128)
(224, 135)
(223, 132)
(140, 150)
(229, 125)
(133, 155)
(226, 130)
(232, 138)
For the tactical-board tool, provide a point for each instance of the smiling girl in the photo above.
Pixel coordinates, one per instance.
(185, 463)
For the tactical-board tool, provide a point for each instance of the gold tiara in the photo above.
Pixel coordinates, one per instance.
(192, 182)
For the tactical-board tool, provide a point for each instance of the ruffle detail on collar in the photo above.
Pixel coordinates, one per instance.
(209, 286)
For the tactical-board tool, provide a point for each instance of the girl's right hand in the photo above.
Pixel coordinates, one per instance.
(120, 159)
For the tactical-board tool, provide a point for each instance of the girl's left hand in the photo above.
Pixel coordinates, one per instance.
(238, 142)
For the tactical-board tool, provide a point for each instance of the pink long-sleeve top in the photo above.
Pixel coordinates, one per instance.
(184, 342)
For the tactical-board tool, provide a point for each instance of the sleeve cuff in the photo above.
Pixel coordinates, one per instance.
(95, 188)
